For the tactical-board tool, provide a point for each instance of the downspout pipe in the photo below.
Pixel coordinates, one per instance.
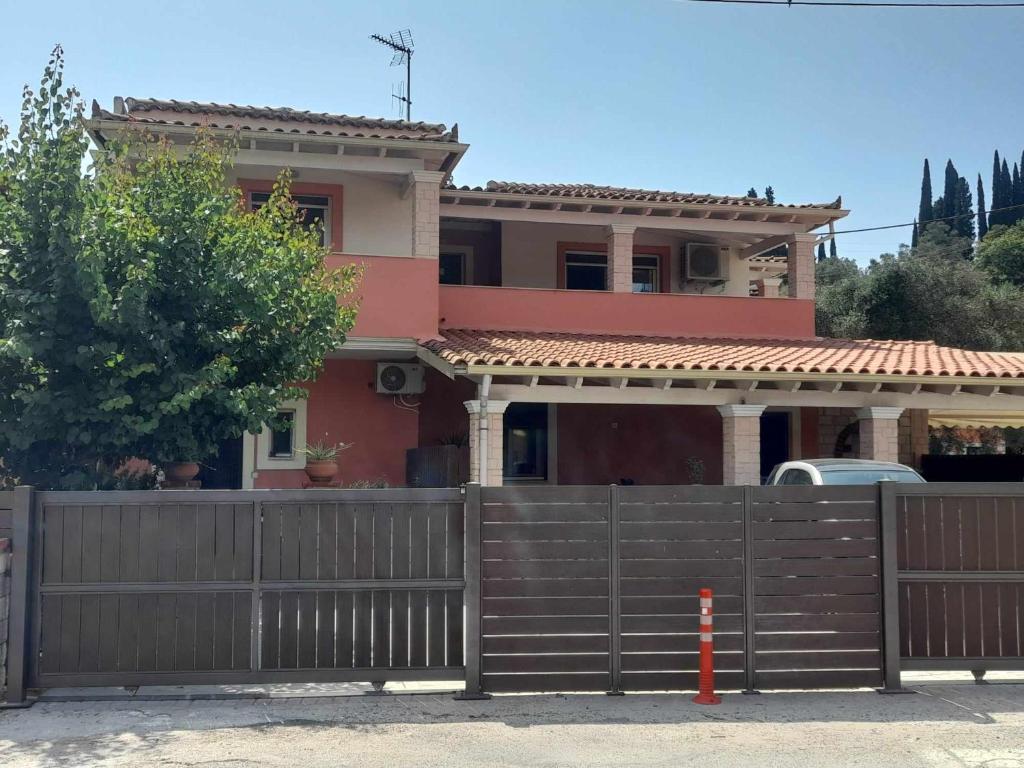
(483, 394)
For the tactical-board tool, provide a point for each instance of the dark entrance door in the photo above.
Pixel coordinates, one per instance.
(774, 440)
(223, 471)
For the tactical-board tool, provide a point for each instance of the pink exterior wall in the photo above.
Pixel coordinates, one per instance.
(398, 296)
(648, 444)
(529, 309)
(343, 407)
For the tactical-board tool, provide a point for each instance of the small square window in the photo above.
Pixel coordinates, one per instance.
(646, 272)
(282, 438)
(453, 269)
(314, 210)
(586, 272)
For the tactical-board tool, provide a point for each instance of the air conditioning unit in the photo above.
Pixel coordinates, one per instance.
(704, 263)
(399, 379)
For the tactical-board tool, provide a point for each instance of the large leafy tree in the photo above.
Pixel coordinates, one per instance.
(926, 293)
(1002, 255)
(143, 310)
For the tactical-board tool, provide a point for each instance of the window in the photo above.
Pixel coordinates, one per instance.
(453, 268)
(797, 477)
(868, 476)
(646, 272)
(314, 210)
(282, 437)
(586, 271)
(526, 441)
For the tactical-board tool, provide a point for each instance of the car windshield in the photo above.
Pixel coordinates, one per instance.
(868, 476)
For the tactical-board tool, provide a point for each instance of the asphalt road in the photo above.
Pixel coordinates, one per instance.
(944, 725)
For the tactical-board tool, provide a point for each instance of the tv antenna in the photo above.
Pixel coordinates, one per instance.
(401, 43)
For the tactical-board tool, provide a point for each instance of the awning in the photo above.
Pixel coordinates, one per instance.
(976, 419)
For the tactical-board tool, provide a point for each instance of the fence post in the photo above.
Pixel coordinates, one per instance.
(473, 597)
(749, 611)
(21, 594)
(614, 607)
(888, 534)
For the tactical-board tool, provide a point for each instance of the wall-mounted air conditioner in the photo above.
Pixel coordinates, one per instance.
(399, 379)
(704, 263)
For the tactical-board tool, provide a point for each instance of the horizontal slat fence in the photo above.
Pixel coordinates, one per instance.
(675, 541)
(196, 586)
(960, 558)
(816, 566)
(544, 588)
(6, 514)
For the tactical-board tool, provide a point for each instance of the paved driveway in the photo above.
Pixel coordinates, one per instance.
(945, 724)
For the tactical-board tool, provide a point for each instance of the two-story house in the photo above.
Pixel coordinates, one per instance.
(570, 333)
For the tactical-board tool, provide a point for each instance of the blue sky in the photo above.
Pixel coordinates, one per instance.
(648, 93)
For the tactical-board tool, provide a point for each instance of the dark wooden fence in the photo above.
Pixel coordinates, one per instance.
(549, 588)
(596, 588)
(183, 587)
(960, 560)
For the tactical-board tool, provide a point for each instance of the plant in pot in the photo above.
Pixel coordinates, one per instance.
(322, 461)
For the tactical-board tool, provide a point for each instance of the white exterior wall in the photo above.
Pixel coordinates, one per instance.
(529, 255)
(376, 220)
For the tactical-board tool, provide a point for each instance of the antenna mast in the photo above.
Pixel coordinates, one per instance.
(401, 43)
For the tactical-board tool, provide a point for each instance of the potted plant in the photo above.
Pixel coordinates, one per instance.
(180, 472)
(322, 461)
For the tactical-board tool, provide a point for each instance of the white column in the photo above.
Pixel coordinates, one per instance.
(620, 257)
(425, 188)
(879, 433)
(801, 266)
(486, 441)
(741, 444)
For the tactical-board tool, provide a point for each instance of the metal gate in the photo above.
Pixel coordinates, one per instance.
(961, 575)
(595, 588)
(235, 587)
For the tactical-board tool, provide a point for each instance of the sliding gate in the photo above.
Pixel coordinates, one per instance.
(180, 587)
(595, 588)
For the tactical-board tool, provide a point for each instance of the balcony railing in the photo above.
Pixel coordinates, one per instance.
(643, 314)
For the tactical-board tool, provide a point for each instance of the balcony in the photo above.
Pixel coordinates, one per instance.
(645, 314)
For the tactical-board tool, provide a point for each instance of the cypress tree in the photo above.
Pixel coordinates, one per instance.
(751, 192)
(914, 237)
(1006, 183)
(769, 194)
(821, 251)
(950, 191)
(924, 210)
(963, 224)
(1018, 195)
(982, 220)
(832, 248)
(995, 216)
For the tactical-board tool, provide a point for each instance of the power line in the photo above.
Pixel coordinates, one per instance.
(912, 223)
(856, 4)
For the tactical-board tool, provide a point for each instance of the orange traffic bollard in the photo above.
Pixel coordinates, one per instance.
(706, 679)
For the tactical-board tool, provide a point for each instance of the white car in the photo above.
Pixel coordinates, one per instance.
(840, 472)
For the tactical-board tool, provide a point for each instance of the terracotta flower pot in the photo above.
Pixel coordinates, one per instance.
(181, 471)
(321, 471)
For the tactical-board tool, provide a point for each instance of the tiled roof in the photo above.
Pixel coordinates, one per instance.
(624, 194)
(243, 117)
(816, 355)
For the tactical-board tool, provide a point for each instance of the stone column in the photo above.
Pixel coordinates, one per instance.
(913, 436)
(801, 266)
(425, 188)
(741, 444)
(620, 258)
(879, 433)
(492, 432)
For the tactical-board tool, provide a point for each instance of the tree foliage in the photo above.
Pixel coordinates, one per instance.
(1001, 254)
(143, 310)
(925, 293)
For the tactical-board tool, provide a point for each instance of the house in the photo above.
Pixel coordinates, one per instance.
(571, 333)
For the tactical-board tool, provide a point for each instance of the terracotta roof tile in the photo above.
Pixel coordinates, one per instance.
(816, 355)
(625, 194)
(195, 114)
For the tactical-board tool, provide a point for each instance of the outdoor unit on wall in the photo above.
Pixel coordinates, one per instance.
(399, 379)
(704, 263)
